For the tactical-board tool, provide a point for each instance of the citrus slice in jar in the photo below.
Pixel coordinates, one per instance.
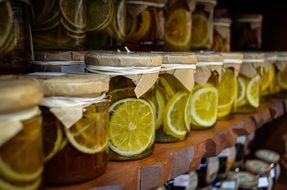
(267, 78)
(6, 15)
(200, 34)
(31, 186)
(21, 157)
(167, 87)
(160, 101)
(132, 126)
(89, 135)
(282, 78)
(253, 91)
(178, 28)
(174, 122)
(187, 112)
(227, 93)
(241, 92)
(99, 14)
(204, 104)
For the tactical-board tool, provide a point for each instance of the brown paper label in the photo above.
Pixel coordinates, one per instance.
(68, 115)
(248, 70)
(281, 65)
(223, 31)
(9, 129)
(186, 77)
(202, 75)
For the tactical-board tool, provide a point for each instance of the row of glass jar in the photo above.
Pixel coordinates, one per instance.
(80, 122)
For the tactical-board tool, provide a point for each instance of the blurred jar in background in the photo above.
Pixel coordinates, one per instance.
(106, 24)
(145, 24)
(16, 48)
(221, 35)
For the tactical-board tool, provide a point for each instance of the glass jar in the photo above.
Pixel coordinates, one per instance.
(207, 172)
(145, 24)
(16, 48)
(132, 112)
(226, 161)
(21, 150)
(228, 88)
(202, 25)
(246, 180)
(268, 86)
(187, 181)
(221, 35)
(281, 73)
(271, 158)
(241, 146)
(249, 82)
(107, 31)
(59, 25)
(59, 61)
(178, 25)
(176, 81)
(75, 127)
(205, 93)
(247, 32)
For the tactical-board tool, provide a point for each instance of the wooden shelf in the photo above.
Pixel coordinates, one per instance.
(171, 160)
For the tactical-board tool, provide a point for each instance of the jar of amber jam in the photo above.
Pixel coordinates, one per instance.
(59, 25)
(178, 23)
(75, 126)
(281, 73)
(145, 24)
(249, 82)
(21, 150)
(16, 48)
(106, 24)
(59, 61)
(202, 25)
(133, 111)
(173, 96)
(205, 94)
(227, 87)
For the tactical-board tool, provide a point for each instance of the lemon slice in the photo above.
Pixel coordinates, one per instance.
(227, 93)
(174, 122)
(160, 102)
(21, 158)
(282, 79)
(187, 112)
(178, 28)
(32, 186)
(241, 100)
(253, 91)
(89, 135)
(167, 87)
(6, 15)
(73, 12)
(204, 104)
(266, 78)
(132, 126)
(200, 35)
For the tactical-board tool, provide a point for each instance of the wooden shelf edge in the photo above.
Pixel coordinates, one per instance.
(171, 160)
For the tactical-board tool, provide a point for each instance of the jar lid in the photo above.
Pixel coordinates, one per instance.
(209, 58)
(73, 85)
(232, 57)
(151, 3)
(116, 59)
(19, 93)
(244, 179)
(178, 58)
(249, 18)
(213, 2)
(268, 155)
(253, 57)
(282, 56)
(271, 56)
(60, 55)
(225, 22)
(257, 166)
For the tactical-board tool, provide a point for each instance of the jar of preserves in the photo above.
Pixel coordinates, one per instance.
(59, 61)
(202, 25)
(145, 24)
(281, 73)
(226, 161)
(249, 82)
(207, 172)
(21, 150)
(271, 158)
(221, 35)
(228, 88)
(75, 126)
(268, 76)
(247, 32)
(16, 48)
(173, 97)
(178, 25)
(107, 31)
(59, 25)
(132, 112)
(205, 93)
(245, 180)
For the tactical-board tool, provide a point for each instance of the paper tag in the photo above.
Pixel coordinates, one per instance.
(223, 31)
(263, 182)
(281, 65)
(212, 168)
(229, 185)
(186, 77)
(202, 75)
(248, 70)
(241, 140)
(225, 153)
(181, 181)
(68, 115)
(9, 129)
